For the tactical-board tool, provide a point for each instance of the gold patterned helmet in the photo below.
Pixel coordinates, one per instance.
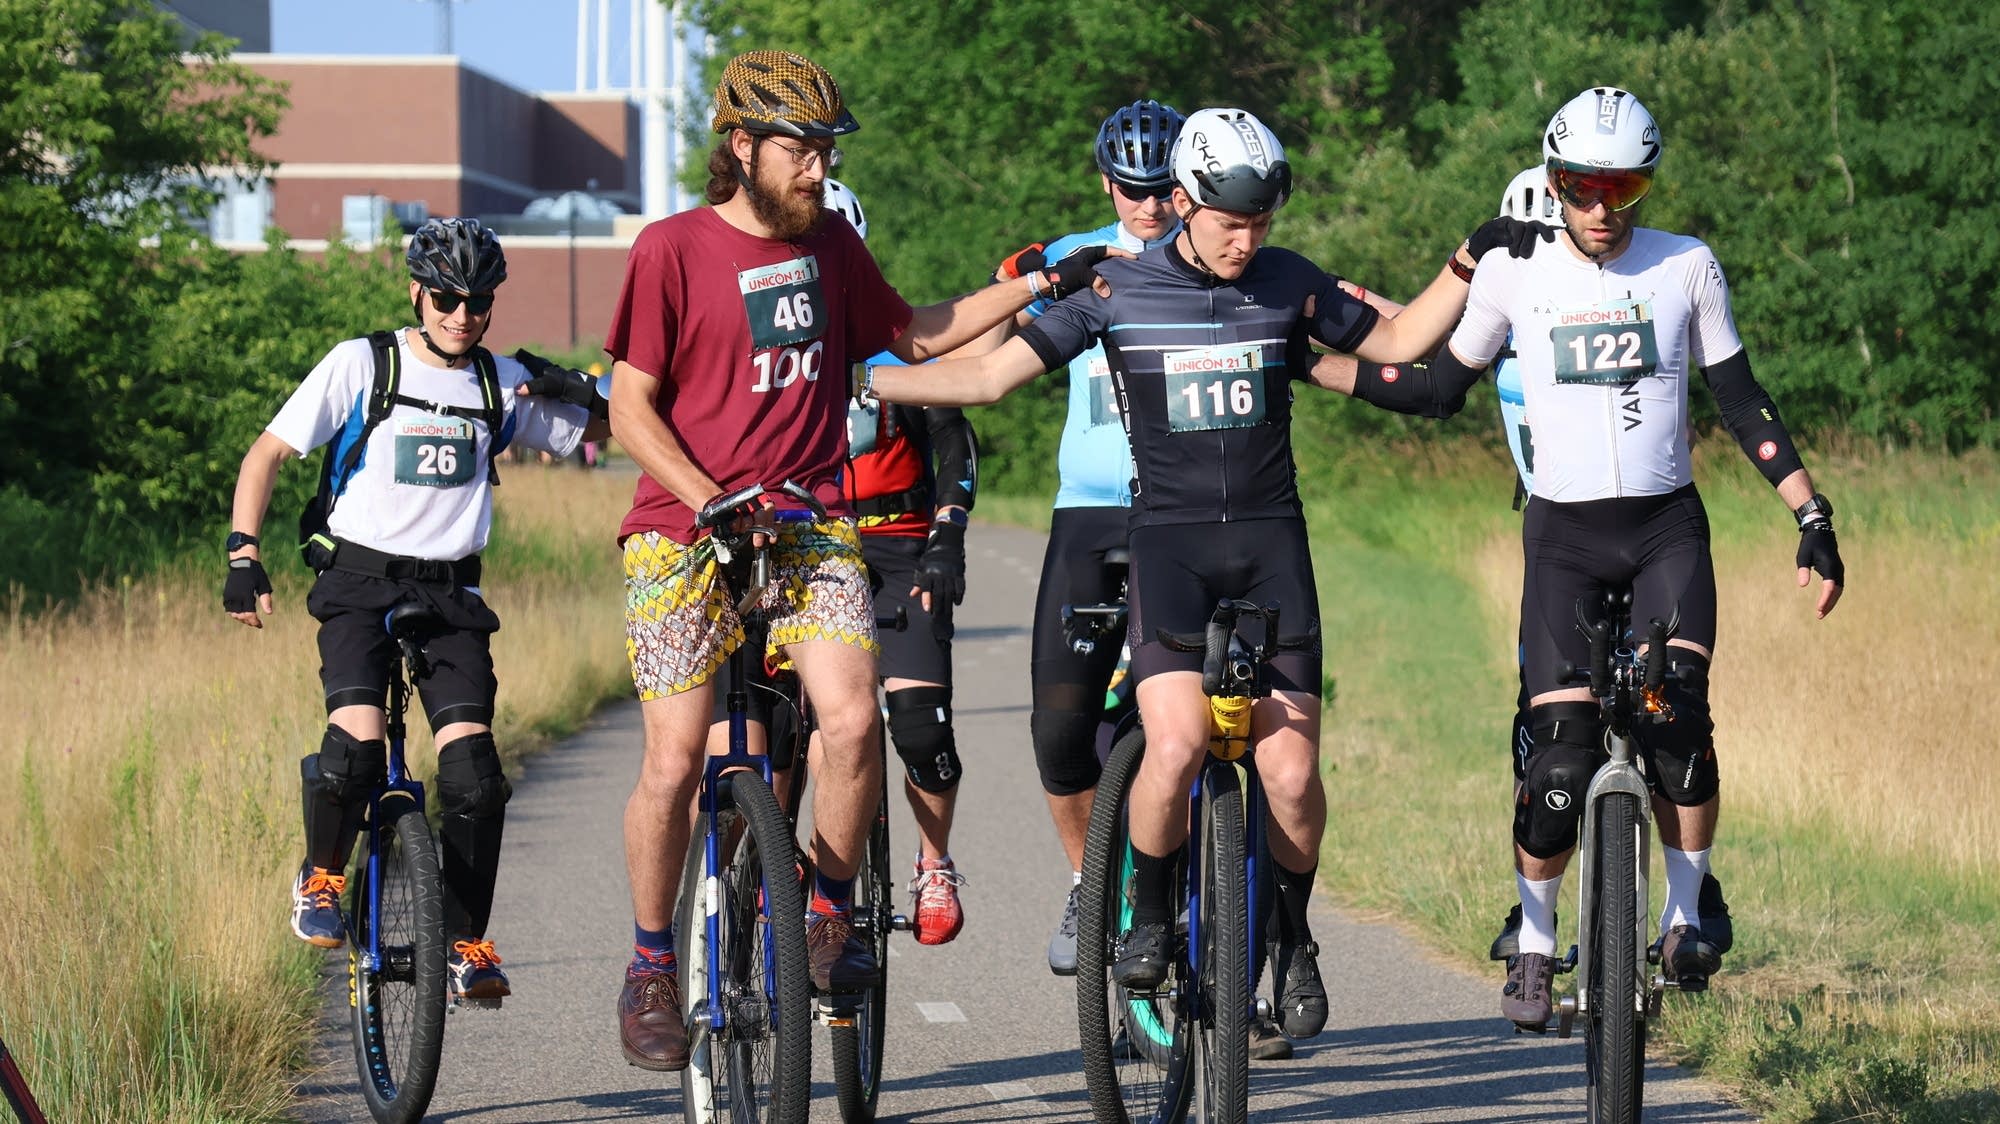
(780, 92)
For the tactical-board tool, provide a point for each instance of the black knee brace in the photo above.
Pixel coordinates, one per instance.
(920, 725)
(469, 779)
(1681, 754)
(1065, 750)
(334, 784)
(1569, 740)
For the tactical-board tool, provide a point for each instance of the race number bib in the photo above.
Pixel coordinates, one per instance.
(433, 451)
(1102, 391)
(864, 425)
(783, 302)
(1220, 387)
(1605, 344)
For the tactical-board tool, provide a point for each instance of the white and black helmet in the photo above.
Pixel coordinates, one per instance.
(1529, 199)
(841, 199)
(1603, 127)
(1228, 160)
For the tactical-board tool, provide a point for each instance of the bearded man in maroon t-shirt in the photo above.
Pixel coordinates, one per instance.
(732, 340)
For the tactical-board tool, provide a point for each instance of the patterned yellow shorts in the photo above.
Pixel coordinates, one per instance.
(680, 625)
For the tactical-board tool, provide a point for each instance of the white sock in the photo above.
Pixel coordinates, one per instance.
(1538, 913)
(1076, 878)
(1684, 872)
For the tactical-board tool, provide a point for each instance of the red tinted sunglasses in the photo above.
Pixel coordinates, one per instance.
(478, 304)
(1582, 188)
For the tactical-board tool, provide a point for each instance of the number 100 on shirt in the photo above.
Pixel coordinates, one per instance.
(1219, 387)
(782, 303)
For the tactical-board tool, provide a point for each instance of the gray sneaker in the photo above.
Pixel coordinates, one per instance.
(1525, 1001)
(1267, 1043)
(1062, 944)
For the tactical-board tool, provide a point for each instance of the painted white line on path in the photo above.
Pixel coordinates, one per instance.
(1015, 1092)
(941, 1012)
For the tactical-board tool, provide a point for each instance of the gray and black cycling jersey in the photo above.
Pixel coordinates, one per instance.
(1203, 369)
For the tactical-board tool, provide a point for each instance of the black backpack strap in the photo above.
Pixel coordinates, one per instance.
(381, 395)
(493, 410)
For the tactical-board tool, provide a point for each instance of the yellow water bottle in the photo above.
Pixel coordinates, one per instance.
(1231, 736)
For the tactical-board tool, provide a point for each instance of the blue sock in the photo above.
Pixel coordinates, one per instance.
(652, 949)
(831, 895)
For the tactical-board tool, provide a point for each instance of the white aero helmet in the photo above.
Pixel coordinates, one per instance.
(841, 199)
(1603, 127)
(1528, 198)
(1228, 160)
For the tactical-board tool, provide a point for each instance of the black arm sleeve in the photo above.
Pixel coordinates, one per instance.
(955, 448)
(1752, 418)
(1435, 389)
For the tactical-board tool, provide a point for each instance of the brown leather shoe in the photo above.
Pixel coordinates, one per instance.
(839, 961)
(650, 1024)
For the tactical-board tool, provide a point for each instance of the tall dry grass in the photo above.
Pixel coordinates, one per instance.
(149, 803)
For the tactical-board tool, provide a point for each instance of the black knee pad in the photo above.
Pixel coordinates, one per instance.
(920, 725)
(1680, 755)
(1065, 750)
(346, 768)
(1569, 739)
(469, 779)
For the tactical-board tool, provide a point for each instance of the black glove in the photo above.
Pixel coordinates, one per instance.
(1074, 272)
(941, 571)
(573, 388)
(1518, 237)
(1818, 551)
(245, 582)
(1023, 261)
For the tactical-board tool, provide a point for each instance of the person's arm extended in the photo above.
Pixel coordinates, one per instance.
(974, 381)
(251, 594)
(1433, 389)
(949, 325)
(645, 436)
(1417, 330)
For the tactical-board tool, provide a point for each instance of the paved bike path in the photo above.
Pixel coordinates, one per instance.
(979, 1030)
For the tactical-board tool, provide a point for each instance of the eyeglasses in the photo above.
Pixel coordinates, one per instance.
(803, 155)
(1583, 188)
(478, 304)
(1161, 192)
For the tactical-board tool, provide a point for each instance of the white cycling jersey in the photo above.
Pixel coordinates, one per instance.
(421, 489)
(1605, 353)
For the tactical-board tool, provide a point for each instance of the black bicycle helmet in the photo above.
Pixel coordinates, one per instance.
(456, 256)
(1135, 145)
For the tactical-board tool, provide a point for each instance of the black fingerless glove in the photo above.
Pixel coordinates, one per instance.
(570, 387)
(1022, 262)
(1518, 237)
(941, 570)
(246, 581)
(1819, 551)
(1074, 272)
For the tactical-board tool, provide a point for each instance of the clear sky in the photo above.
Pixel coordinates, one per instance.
(526, 43)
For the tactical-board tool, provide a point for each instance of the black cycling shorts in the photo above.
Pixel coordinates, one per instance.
(355, 649)
(1658, 545)
(916, 652)
(1074, 572)
(1180, 571)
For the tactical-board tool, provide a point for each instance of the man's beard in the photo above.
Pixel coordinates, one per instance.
(787, 215)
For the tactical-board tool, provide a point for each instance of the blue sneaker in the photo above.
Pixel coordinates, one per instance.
(316, 907)
(475, 973)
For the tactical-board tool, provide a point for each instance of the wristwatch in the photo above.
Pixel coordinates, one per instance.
(1816, 509)
(236, 541)
(953, 515)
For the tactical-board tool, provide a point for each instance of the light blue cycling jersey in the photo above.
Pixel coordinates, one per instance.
(1094, 462)
(1514, 415)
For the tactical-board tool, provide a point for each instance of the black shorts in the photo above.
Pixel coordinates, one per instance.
(1657, 545)
(917, 652)
(1074, 572)
(355, 650)
(1180, 571)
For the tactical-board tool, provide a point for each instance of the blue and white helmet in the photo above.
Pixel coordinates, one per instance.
(1529, 199)
(1135, 145)
(1228, 160)
(841, 199)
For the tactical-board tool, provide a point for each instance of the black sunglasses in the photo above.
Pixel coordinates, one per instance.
(479, 304)
(1162, 192)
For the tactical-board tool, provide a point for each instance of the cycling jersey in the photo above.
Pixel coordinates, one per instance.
(1604, 354)
(1204, 368)
(1094, 462)
(421, 489)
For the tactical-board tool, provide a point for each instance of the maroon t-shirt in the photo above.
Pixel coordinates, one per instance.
(752, 339)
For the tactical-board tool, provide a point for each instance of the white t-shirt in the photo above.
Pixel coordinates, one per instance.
(1605, 352)
(421, 489)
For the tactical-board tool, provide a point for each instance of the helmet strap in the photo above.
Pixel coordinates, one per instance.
(1194, 255)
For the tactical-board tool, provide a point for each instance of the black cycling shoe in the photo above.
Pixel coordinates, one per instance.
(1507, 945)
(1143, 954)
(1714, 914)
(1301, 994)
(1689, 957)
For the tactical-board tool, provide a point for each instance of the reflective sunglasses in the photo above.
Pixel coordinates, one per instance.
(1161, 192)
(478, 304)
(1583, 187)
